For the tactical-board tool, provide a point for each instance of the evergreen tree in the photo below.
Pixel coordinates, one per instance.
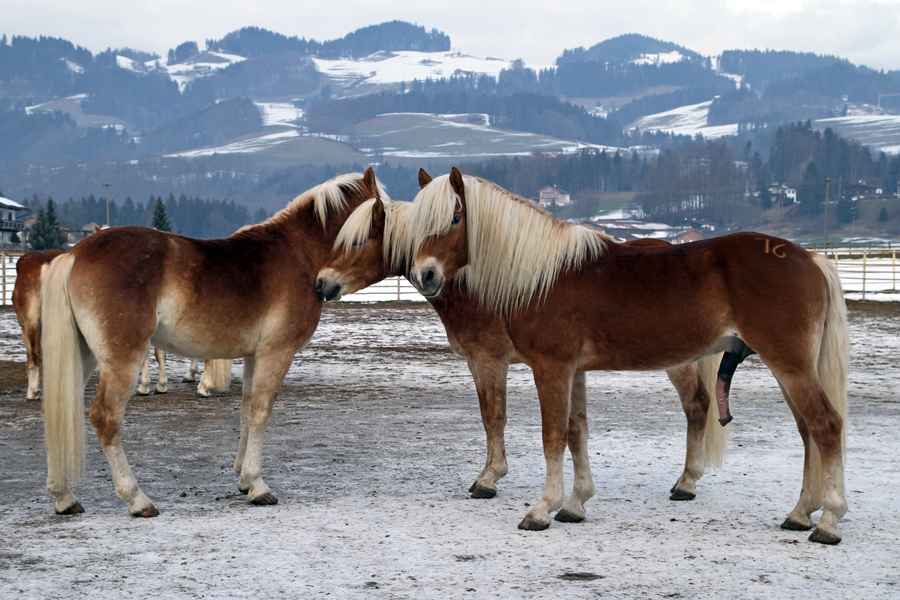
(46, 233)
(883, 214)
(811, 194)
(161, 219)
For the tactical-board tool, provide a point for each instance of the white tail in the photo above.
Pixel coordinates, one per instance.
(716, 437)
(834, 361)
(63, 378)
(216, 377)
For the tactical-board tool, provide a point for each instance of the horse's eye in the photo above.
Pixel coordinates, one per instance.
(456, 219)
(359, 243)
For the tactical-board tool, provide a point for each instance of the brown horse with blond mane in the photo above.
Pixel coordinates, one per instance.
(574, 300)
(250, 296)
(374, 243)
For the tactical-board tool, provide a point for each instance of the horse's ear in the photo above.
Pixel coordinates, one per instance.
(97, 228)
(456, 182)
(424, 178)
(378, 215)
(369, 179)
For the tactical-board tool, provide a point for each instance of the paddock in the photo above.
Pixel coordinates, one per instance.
(372, 470)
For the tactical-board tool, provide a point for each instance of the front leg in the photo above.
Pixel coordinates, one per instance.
(246, 401)
(144, 387)
(489, 373)
(269, 372)
(554, 386)
(583, 490)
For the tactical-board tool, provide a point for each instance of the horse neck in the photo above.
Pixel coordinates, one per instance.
(308, 236)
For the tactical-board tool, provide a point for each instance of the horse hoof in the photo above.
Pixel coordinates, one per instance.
(75, 509)
(187, 379)
(162, 392)
(825, 537)
(148, 512)
(266, 499)
(529, 524)
(482, 493)
(681, 495)
(139, 393)
(565, 516)
(792, 525)
(473, 486)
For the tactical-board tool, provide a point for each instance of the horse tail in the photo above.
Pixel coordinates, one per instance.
(63, 376)
(716, 436)
(834, 352)
(220, 374)
(216, 377)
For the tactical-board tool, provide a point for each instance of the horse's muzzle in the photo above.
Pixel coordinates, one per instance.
(328, 291)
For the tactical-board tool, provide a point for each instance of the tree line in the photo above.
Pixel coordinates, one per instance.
(192, 217)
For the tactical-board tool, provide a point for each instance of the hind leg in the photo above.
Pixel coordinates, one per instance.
(820, 427)
(192, 371)
(32, 339)
(583, 490)
(490, 382)
(695, 403)
(114, 389)
(144, 387)
(162, 381)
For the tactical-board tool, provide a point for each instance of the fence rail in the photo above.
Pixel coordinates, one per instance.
(862, 270)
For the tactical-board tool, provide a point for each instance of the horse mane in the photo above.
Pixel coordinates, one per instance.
(516, 249)
(325, 198)
(396, 247)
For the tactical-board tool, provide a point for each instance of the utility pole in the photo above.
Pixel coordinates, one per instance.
(827, 185)
(108, 185)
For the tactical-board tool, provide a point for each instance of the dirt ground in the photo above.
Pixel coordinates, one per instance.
(376, 437)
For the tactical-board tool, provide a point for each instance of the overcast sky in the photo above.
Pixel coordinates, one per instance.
(863, 31)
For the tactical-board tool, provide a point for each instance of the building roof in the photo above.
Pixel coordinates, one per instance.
(7, 203)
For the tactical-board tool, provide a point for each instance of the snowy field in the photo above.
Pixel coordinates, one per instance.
(373, 443)
(685, 120)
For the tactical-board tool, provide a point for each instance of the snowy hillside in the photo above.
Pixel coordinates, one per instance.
(685, 120)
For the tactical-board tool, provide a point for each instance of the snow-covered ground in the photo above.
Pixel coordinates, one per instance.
(685, 120)
(880, 132)
(374, 441)
(407, 65)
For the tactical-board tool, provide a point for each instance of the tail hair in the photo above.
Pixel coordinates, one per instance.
(833, 363)
(216, 375)
(715, 440)
(63, 377)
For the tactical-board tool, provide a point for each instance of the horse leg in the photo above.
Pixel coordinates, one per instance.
(266, 383)
(246, 402)
(32, 338)
(554, 386)
(490, 382)
(113, 390)
(144, 387)
(192, 371)
(695, 403)
(583, 490)
(162, 380)
(823, 466)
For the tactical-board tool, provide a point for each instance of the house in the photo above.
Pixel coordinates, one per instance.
(12, 215)
(862, 190)
(783, 194)
(550, 196)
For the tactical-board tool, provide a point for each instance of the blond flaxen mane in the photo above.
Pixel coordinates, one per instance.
(326, 198)
(516, 249)
(396, 245)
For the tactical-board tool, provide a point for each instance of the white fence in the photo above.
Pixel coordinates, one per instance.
(862, 270)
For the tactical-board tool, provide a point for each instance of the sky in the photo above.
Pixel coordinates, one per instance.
(863, 31)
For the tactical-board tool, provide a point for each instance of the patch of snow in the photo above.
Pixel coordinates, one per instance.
(407, 65)
(662, 58)
(685, 120)
(123, 62)
(39, 107)
(249, 145)
(279, 113)
(73, 66)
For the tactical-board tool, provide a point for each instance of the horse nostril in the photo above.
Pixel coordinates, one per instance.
(428, 277)
(320, 283)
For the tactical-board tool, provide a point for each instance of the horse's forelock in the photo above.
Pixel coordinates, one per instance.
(356, 229)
